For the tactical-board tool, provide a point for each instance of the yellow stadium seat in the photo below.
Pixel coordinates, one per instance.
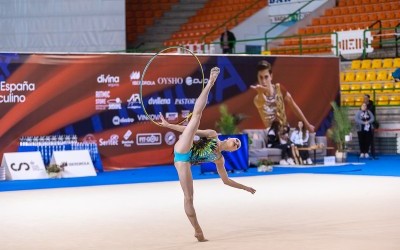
(356, 64)
(350, 76)
(370, 76)
(397, 87)
(358, 100)
(387, 63)
(388, 87)
(377, 87)
(396, 63)
(394, 100)
(382, 75)
(382, 100)
(347, 100)
(344, 87)
(376, 64)
(366, 64)
(390, 76)
(360, 76)
(342, 76)
(366, 86)
(355, 87)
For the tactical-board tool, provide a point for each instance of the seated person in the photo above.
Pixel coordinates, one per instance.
(299, 138)
(278, 138)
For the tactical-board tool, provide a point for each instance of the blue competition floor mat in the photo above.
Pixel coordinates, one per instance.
(383, 166)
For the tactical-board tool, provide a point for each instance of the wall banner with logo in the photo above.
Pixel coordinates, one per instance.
(96, 97)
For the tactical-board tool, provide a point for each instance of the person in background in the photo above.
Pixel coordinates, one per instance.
(277, 138)
(396, 75)
(271, 99)
(364, 121)
(370, 104)
(300, 137)
(228, 41)
(371, 107)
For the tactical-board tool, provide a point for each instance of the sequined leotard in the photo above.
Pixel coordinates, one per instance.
(272, 107)
(203, 150)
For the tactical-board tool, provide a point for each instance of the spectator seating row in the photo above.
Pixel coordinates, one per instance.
(387, 63)
(358, 2)
(143, 13)
(366, 76)
(211, 16)
(377, 87)
(373, 77)
(315, 38)
(380, 99)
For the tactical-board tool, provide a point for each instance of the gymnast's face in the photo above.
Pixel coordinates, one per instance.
(264, 77)
(232, 144)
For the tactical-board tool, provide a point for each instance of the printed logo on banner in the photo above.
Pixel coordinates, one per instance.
(352, 42)
(190, 80)
(90, 138)
(171, 116)
(170, 138)
(112, 141)
(126, 142)
(112, 81)
(143, 117)
(170, 80)
(283, 1)
(143, 139)
(24, 166)
(159, 101)
(135, 79)
(13, 89)
(101, 99)
(78, 163)
(114, 103)
(185, 101)
(116, 120)
(134, 102)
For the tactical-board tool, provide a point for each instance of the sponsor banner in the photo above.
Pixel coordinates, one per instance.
(146, 139)
(103, 105)
(111, 81)
(24, 166)
(15, 92)
(78, 163)
(352, 42)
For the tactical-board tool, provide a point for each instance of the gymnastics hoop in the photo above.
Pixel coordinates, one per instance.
(144, 73)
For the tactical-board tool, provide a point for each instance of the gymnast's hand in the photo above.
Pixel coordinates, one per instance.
(163, 122)
(250, 189)
(259, 88)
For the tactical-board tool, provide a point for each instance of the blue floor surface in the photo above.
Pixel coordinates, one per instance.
(386, 165)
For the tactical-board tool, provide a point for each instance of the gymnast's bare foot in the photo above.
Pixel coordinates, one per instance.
(200, 237)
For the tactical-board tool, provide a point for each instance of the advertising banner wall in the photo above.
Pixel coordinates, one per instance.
(97, 97)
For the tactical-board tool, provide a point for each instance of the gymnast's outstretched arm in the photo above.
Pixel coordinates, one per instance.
(227, 181)
(202, 133)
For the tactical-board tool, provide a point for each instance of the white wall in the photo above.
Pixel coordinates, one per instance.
(62, 25)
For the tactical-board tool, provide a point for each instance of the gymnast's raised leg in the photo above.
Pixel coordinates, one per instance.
(183, 145)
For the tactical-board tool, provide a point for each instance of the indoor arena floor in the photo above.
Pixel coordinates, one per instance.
(291, 211)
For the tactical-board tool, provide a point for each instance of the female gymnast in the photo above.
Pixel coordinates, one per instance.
(207, 149)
